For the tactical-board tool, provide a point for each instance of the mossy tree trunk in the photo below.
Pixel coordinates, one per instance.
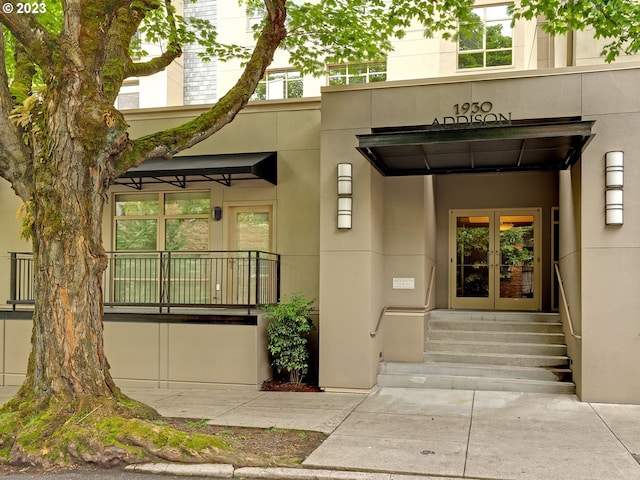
(62, 150)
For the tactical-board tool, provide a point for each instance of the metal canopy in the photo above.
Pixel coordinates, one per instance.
(202, 168)
(496, 148)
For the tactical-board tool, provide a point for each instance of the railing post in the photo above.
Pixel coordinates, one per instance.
(14, 279)
(258, 277)
(168, 280)
(248, 286)
(277, 277)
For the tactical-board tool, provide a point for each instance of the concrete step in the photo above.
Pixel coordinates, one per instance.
(494, 316)
(495, 347)
(494, 326)
(475, 383)
(479, 358)
(497, 336)
(508, 351)
(475, 370)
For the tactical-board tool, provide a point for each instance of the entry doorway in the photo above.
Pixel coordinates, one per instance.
(250, 237)
(495, 259)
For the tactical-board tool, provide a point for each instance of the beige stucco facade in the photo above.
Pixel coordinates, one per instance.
(401, 230)
(400, 227)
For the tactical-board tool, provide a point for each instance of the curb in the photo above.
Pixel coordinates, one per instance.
(213, 470)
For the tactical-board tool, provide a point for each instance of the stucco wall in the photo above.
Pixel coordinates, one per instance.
(610, 256)
(160, 354)
(599, 263)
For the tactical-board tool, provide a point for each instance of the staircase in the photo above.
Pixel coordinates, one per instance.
(472, 350)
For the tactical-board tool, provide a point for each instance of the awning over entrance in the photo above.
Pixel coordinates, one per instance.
(201, 168)
(468, 149)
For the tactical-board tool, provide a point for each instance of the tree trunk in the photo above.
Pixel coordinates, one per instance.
(68, 408)
(67, 359)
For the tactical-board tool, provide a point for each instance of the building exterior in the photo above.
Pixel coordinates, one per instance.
(366, 195)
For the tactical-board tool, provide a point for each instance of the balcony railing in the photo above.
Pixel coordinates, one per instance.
(164, 279)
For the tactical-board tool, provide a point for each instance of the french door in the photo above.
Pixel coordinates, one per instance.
(495, 259)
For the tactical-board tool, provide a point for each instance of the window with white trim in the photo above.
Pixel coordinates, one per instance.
(255, 15)
(488, 41)
(279, 84)
(129, 96)
(351, 73)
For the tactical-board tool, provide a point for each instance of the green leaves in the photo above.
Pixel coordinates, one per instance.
(339, 31)
(288, 331)
(617, 21)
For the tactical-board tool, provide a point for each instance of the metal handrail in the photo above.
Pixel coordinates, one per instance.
(565, 304)
(405, 309)
(167, 279)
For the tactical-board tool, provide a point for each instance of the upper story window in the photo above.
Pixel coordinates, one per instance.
(254, 17)
(279, 84)
(129, 96)
(488, 41)
(350, 73)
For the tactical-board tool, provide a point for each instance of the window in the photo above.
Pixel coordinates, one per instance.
(162, 221)
(350, 73)
(280, 84)
(488, 41)
(254, 17)
(129, 96)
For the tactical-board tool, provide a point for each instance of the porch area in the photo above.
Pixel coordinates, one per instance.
(171, 319)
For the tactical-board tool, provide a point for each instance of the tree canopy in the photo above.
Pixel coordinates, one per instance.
(615, 21)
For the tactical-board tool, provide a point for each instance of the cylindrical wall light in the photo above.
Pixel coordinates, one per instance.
(614, 169)
(344, 212)
(345, 174)
(614, 183)
(345, 189)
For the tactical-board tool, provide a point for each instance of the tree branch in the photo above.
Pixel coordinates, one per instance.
(158, 64)
(25, 70)
(155, 65)
(167, 143)
(31, 34)
(14, 154)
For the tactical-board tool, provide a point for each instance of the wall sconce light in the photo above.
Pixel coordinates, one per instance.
(614, 183)
(345, 176)
(345, 189)
(344, 212)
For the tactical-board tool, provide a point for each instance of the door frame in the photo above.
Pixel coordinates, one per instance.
(493, 301)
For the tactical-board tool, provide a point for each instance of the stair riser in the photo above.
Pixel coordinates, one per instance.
(423, 369)
(490, 348)
(495, 326)
(518, 361)
(476, 383)
(511, 337)
(495, 316)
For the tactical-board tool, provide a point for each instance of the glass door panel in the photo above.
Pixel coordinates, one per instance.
(518, 260)
(250, 232)
(472, 275)
(472, 250)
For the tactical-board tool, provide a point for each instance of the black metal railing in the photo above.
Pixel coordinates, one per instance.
(165, 279)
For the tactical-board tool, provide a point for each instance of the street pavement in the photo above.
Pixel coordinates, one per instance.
(410, 434)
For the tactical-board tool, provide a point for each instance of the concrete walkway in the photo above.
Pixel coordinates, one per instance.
(413, 433)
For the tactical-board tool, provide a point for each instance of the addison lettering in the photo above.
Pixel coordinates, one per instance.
(473, 114)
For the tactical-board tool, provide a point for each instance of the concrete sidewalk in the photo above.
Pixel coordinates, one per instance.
(411, 433)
